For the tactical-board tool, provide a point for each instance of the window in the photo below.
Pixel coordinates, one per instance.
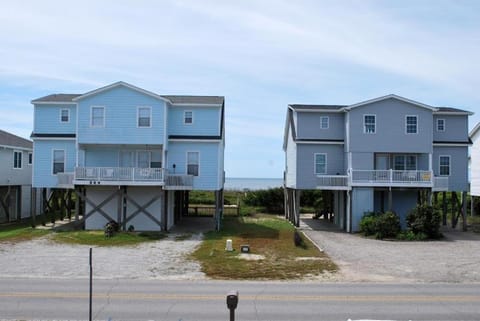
(441, 125)
(405, 162)
(444, 164)
(126, 158)
(143, 159)
(64, 115)
(320, 164)
(58, 161)
(156, 159)
(193, 162)
(411, 124)
(188, 117)
(144, 115)
(324, 122)
(369, 124)
(98, 117)
(17, 159)
(30, 158)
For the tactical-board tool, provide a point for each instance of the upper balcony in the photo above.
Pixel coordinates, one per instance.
(383, 178)
(125, 176)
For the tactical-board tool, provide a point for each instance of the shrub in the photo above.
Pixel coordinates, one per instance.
(382, 225)
(271, 200)
(424, 219)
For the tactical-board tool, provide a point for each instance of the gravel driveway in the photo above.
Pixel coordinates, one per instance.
(456, 258)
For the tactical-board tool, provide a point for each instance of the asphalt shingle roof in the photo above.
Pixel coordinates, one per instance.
(60, 98)
(178, 99)
(314, 107)
(8, 139)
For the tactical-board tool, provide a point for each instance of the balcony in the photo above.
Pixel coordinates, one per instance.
(383, 178)
(65, 180)
(131, 176)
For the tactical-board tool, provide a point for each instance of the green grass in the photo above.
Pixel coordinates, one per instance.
(18, 232)
(97, 238)
(268, 236)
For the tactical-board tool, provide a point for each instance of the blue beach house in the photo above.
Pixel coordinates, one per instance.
(130, 155)
(376, 155)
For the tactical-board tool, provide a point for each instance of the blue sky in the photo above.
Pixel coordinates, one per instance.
(261, 55)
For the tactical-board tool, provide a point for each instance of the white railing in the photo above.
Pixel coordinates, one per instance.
(130, 174)
(392, 177)
(332, 181)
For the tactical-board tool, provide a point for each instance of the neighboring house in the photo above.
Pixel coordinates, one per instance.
(375, 155)
(475, 161)
(131, 155)
(15, 177)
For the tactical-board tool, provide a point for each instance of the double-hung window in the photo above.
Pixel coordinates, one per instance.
(405, 162)
(97, 117)
(30, 158)
(411, 124)
(58, 161)
(440, 125)
(144, 116)
(64, 115)
(369, 124)
(444, 165)
(193, 163)
(17, 159)
(320, 164)
(188, 117)
(324, 122)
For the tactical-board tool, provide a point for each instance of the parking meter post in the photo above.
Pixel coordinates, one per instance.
(232, 302)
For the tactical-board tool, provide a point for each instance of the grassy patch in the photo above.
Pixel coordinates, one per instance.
(19, 232)
(267, 236)
(97, 238)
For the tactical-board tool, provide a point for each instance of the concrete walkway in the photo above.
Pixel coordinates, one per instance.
(456, 258)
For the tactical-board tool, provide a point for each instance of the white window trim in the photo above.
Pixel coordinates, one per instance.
(186, 161)
(28, 160)
(444, 124)
(53, 160)
(150, 116)
(315, 163)
(91, 116)
(21, 159)
(365, 127)
(405, 156)
(406, 125)
(449, 165)
(184, 117)
(328, 122)
(68, 115)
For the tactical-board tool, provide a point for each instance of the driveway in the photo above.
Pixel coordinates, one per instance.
(456, 258)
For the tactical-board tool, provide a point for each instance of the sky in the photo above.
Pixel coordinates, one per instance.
(260, 54)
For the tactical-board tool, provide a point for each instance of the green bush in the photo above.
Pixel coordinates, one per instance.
(424, 219)
(382, 225)
(271, 200)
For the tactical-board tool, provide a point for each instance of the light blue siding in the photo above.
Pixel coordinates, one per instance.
(390, 133)
(456, 128)
(308, 126)
(121, 104)
(43, 155)
(47, 119)
(306, 163)
(458, 178)
(14, 176)
(362, 202)
(206, 121)
(210, 170)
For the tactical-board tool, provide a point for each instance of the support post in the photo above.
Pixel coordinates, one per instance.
(77, 205)
(297, 207)
(444, 208)
(454, 212)
(390, 199)
(33, 206)
(349, 212)
(464, 211)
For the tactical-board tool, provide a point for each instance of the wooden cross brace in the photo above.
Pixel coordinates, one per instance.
(97, 208)
(143, 209)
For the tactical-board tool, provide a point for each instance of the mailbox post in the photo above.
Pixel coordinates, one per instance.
(232, 302)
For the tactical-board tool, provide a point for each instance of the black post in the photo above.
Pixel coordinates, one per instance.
(232, 302)
(91, 275)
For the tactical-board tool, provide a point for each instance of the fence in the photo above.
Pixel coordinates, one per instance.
(209, 210)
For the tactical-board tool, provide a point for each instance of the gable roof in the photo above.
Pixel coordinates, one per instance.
(118, 84)
(391, 96)
(452, 111)
(197, 100)
(302, 107)
(10, 140)
(474, 131)
(56, 98)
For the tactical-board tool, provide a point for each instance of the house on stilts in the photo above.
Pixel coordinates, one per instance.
(384, 154)
(16, 156)
(128, 154)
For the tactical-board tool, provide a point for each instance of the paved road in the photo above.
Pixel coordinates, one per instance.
(62, 299)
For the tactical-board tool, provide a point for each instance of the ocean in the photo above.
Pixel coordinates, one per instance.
(240, 184)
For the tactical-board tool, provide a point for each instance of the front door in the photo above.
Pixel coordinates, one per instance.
(382, 161)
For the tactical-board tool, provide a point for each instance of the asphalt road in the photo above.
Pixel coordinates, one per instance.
(63, 299)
